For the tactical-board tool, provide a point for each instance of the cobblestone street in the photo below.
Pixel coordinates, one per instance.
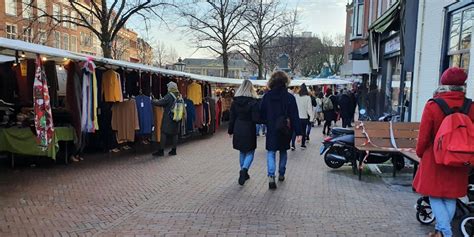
(196, 194)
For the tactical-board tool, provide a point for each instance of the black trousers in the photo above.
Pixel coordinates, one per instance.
(346, 122)
(164, 139)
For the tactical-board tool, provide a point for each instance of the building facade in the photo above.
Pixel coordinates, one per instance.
(20, 21)
(444, 36)
(381, 49)
(238, 68)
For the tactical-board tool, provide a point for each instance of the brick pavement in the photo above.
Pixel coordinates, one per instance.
(196, 194)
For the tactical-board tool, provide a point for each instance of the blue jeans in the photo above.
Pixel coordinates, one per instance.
(262, 127)
(443, 210)
(271, 164)
(246, 159)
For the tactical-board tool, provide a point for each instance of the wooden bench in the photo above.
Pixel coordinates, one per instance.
(386, 137)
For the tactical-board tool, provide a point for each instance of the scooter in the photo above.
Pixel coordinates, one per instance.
(339, 149)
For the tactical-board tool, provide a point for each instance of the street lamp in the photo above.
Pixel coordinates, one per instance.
(180, 65)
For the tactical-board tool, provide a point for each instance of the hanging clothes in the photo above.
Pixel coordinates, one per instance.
(111, 87)
(212, 110)
(25, 76)
(191, 115)
(199, 116)
(125, 120)
(145, 83)
(52, 77)
(218, 113)
(194, 93)
(89, 122)
(183, 87)
(42, 107)
(73, 97)
(132, 82)
(107, 136)
(155, 86)
(145, 116)
(158, 120)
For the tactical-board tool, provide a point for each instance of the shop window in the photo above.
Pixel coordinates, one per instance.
(11, 31)
(358, 19)
(459, 37)
(11, 7)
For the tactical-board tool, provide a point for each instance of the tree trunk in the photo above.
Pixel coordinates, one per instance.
(225, 61)
(106, 49)
(260, 67)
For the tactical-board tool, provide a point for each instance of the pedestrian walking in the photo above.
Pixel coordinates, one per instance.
(319, 116)
(329, 110)
(261, 127)
(169, 127)
(305, 112)
(346, 108)
(244, 115)
(280, 113)
(313, 112)
(443, 184)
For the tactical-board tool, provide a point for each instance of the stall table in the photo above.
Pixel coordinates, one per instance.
(22, 141)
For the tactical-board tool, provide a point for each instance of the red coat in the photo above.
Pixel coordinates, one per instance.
(433, 179)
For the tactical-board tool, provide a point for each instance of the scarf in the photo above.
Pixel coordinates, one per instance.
(449, 88)
(43, 116)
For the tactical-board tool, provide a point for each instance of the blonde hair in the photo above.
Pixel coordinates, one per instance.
(246, 90)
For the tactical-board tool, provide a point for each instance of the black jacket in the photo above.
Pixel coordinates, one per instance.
(244, 115)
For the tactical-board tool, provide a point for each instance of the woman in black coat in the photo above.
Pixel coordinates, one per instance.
(244, 115)
(280, 113)
(329, 114)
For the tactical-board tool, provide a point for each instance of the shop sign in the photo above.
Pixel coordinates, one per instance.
(392, 45)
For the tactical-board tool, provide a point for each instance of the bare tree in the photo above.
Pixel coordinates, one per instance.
(294, 44)
(172, 56)
(160, 53)
(103, 18)
(333, 51)
(215, 25)
(119, 48)
(145, 52)
(265, 19)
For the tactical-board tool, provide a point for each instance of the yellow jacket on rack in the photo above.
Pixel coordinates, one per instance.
(194, 93)
(111, 87)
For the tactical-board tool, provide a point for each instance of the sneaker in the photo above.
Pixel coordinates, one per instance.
(158, 153)
(271, 182)
(281, 178)
(243, 176)
(303, 147)
(172, 152)
(263, 134)
(293, 148)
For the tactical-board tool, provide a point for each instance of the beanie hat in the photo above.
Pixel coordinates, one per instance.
(172, 85)
(453, 76)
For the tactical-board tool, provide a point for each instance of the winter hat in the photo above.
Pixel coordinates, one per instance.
(454, 76)
(172, 85)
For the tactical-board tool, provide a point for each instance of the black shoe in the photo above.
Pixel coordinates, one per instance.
(271, 182)
(172, 152)
(247, 176)
(303, 147)
(307, 138)
(281, 178)
(293, 148)
(158, 153)
(243, 176)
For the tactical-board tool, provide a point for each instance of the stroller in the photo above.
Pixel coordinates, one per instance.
(464, 216)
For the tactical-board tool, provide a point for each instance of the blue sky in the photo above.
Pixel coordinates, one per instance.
(317, 16)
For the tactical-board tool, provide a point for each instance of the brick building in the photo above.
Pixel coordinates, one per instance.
(19, 21)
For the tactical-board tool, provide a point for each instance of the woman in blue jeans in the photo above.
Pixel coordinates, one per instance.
(280, 113)
(244, 115)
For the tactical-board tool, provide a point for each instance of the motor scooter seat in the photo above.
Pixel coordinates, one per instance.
(342, 131)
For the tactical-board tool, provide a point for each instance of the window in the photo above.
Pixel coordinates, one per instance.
(10, 7)
(27, 34)
(86, 39)
(73, 43)
(41, 5)
(358, 19)
(11, 31)
(65, 41)
(27, 11)
(73, 16)
(459, 38)
(56, 13)
(42, 37)
(57, 40)
(65, 16)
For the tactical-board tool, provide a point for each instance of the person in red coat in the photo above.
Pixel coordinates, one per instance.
(443, 184)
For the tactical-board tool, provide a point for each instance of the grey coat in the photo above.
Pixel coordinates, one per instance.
(168, 126)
